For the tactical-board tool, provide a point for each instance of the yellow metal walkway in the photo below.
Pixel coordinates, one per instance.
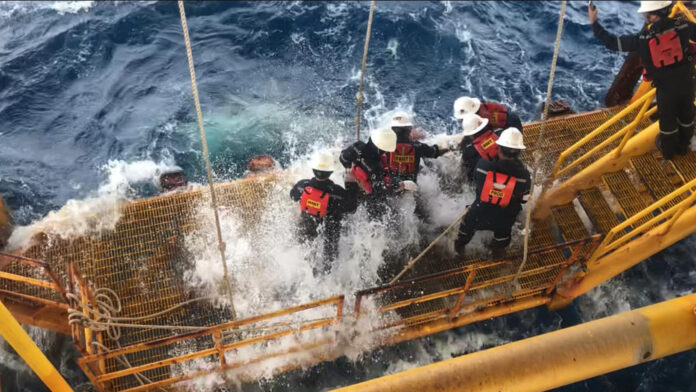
(143, 258)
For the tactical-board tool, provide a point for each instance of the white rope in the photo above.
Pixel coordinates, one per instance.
(204, 143)
(414, 260)
(362, 72)
(102, 317)
(537, 147)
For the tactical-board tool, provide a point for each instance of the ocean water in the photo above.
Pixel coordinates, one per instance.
(95, 102)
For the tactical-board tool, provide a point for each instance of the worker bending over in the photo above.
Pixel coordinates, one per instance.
(479, 142)
(663, 46)
(323, 205)
(367, 166)
(502, 186)
(499, 116)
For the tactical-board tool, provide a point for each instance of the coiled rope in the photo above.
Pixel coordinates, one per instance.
(537, 147)
(362, 72)
(204, 143)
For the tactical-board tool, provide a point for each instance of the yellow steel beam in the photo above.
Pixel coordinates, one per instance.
(556, 358)
(627, 256)
(27, 349)
(590, 176)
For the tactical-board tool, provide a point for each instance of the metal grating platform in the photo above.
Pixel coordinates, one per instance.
(621, 186)
(569, 222)
(598, 210)
(655, 178)
(686, 166)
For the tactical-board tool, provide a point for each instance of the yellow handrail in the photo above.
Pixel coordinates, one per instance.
(625, 132)
(673, 213)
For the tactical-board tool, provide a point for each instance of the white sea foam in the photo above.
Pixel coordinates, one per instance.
(71, 7)
(97, 213)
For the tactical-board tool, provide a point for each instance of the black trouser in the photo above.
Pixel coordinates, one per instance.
(330, 228)
(488, 217)
(675, 103)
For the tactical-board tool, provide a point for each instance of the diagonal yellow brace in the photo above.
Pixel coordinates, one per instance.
(27, 349)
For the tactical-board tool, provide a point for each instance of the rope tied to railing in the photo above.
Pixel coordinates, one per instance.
(204, 143)
(537, 147)
(362, 72)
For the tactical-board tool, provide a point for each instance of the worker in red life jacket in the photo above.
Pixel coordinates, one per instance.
(499, 116)
(404, 163)
(323, 204)
(367, 167)
(663, 46)
(502, 186)
(479, 142)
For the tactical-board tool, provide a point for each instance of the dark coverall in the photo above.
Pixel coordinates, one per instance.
(370, 159)
(421, 150)
(471, 156)
(341, 202)
(399, 173)
(487, 216)
(512, 120)
(674, 84)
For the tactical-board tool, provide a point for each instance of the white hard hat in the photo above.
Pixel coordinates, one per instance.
(401, 119)
(511, 138)
(323, 162)
(473, 124)
(464, 105)
(650, 6)
(384, 139)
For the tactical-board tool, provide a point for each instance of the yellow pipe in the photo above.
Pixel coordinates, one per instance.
(25, 347)
(590, 176)
(557, 358)
(629, 255)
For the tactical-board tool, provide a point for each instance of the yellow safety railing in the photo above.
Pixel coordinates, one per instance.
(224, 340)
(25, 271)
(624, 134)
(668, 215)
(402, 299)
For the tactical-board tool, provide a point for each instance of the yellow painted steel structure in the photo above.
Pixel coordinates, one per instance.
(557, 358)
(27, 349)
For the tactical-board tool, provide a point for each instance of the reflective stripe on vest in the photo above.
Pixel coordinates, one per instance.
(498, 188)
(495, 113)
(666, 49)
(314, 202)
(485, 145)
(403, 159)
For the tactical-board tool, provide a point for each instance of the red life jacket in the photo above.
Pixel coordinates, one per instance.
(403, 159)
(362, 177)
(495, 113)
(485, 145)
(666, 49)
(498, 188)
(314, 202)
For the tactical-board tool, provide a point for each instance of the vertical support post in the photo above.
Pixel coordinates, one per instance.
(217, 338)
(339, 309)
(632, 127)
(13, 333)
(460, 300)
